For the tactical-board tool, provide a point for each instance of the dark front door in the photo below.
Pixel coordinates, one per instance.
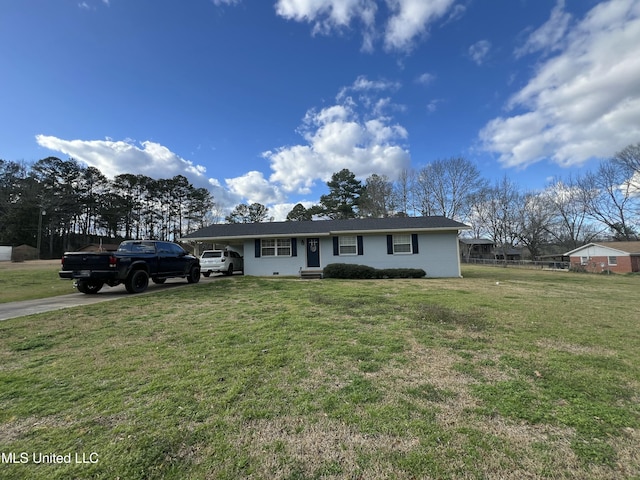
(313, 252)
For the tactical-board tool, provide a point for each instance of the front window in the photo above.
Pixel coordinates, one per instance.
(402, 244)
(348, 245)
(277, 247)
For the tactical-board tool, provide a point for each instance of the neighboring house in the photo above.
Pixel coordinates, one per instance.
(291, 248)
(485, 249)
(477, 248)
(619, 257)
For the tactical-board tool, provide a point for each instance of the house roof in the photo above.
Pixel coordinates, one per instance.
(476, 241)
(631, 248)
(323, 227)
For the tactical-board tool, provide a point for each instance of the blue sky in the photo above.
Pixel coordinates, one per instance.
(262, 100)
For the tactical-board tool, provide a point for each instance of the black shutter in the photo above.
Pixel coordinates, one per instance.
(294, 247)
(257, 248)
(414, 242)
(360, 245)
(336, 250)
(389, 244)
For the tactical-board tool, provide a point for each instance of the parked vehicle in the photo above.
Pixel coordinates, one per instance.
(221, 261)
(133, 264)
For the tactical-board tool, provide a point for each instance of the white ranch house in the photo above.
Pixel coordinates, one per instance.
(297, 248)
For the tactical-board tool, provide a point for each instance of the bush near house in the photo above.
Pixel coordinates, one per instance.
(352, 271)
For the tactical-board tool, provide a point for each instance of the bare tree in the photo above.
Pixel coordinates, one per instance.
(403, 192)
(629, 157)
(377, 198)
(570, 226)
(608, 195)
(446, 187)
(495, 212)
(533, 222)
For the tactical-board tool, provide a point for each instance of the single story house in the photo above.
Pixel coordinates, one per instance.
(619, 257)
(294, 248)
(486, 249)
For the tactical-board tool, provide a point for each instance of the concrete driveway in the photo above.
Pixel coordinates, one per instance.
(30, 307)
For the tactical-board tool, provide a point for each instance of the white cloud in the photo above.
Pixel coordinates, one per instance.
(408, 20)
(411, 19)
(549, 36)
(255, 188)
(426, 79)
(339, 137)
(219, 3)
(582, 103)
(331, 15)
(352, 133)
(432, 106)
(116, 157)
(113, 158)
(479, 51)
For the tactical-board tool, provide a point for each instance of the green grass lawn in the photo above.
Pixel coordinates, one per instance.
(535, 377)
(31, 280)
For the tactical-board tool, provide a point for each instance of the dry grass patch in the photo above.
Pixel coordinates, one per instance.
(320, 447)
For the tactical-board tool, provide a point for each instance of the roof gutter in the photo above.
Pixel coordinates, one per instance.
(324, 234)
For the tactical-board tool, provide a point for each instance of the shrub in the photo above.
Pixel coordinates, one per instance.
(401, 273)
(347, 270)
(353, 271)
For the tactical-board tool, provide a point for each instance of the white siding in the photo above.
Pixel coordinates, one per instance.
(5, 254)
(438, 256)
(598, 251)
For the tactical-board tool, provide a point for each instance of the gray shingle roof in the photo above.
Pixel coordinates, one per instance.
(324, 227)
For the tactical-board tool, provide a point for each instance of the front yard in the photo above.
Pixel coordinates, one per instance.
(502, 374)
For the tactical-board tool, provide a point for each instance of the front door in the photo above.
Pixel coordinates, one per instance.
(313, 252)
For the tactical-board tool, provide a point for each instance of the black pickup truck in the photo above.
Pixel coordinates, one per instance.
(133, 264)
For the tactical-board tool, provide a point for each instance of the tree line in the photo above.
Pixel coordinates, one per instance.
(568, 213)
(59, 205)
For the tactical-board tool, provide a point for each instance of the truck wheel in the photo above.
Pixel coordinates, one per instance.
(89, 286)
(194, 275)
(229, 270)
(137, 282)
(206, 274)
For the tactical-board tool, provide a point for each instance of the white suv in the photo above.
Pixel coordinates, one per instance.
(220, 261)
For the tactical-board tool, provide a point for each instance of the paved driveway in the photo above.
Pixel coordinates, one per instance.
(30, 307)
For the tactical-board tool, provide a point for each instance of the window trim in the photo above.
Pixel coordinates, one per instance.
(276, 244)
(343, 244)
(408, 243)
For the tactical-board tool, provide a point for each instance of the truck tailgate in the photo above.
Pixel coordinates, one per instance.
(86, 261)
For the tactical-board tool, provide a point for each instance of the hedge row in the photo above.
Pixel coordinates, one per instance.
(348, 270)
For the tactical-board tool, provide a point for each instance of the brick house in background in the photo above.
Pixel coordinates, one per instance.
(618, 257)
